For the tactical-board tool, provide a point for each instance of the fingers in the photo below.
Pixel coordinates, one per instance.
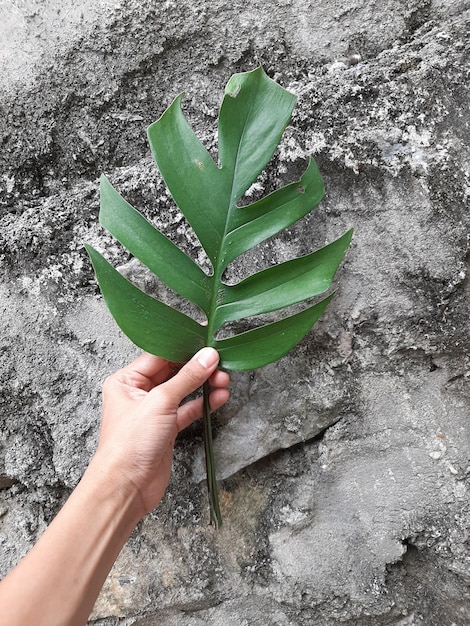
(146, 371)
(192, 411)
(191, 376)
(219, 379)
(146, 364)
(219, 395)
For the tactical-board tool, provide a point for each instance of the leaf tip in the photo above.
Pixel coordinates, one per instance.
(348, 235)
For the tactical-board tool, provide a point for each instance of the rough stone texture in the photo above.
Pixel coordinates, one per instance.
(365, 524)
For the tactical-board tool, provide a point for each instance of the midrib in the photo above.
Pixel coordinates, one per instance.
(219, 269)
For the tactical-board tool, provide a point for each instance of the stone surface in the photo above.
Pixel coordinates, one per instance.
(346, 465)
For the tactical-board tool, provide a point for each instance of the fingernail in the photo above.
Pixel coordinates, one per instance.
(207, 357)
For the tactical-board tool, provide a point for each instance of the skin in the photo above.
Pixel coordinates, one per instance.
(58, 581)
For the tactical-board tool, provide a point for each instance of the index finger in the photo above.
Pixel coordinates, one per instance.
(152, 367)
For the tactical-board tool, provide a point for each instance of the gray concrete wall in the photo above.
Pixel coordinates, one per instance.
(351, 503)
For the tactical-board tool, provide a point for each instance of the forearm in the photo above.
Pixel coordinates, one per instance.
(57, 583)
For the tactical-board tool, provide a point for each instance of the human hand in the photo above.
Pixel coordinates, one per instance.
(125, 480)
(142, 417)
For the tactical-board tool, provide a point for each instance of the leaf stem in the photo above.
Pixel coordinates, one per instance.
(212, 489)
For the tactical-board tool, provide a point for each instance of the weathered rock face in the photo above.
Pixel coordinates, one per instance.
(346, 465)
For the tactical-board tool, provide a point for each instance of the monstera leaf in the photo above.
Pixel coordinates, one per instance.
(253, 115)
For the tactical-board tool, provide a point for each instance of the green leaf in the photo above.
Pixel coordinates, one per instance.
(253, 115)
(151, 247)
(153, 325)
(258, 347)
(252, 118)
(282, 285)
(258, 221)
(193, 178)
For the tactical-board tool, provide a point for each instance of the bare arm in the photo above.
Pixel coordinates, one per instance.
(58, 582)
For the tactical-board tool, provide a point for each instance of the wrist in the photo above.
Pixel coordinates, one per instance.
(107, 480)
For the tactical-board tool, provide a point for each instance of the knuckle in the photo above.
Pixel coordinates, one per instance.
(162, 396)
(108, 382)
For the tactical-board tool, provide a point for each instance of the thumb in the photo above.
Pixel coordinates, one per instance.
(192, 375)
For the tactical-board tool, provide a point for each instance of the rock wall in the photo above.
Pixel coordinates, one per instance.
(346, 465)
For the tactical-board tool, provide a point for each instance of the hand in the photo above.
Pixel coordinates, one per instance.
(125, 480)
(142, 417)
